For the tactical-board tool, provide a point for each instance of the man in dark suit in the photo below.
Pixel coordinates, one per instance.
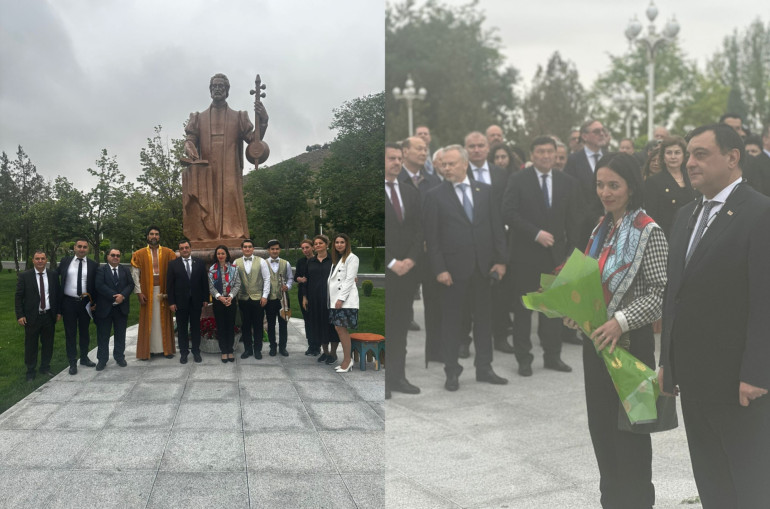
(78, 278)
(581, 165)
(403, 248)
(415, 152)
(37, 310)
(466, 247)
(188, 291)
(542, 210)
(114, 285)
(480, 170)
(715, 343)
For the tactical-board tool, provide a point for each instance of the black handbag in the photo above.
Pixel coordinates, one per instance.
(667, 418)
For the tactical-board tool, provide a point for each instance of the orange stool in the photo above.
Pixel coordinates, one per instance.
(363, 343)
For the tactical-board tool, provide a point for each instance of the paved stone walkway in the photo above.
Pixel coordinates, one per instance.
(281, 432)
(521, 445)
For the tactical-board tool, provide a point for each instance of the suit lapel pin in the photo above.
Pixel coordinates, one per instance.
(477, 189)
(729, 212)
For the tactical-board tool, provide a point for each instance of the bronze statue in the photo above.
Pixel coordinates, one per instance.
(212, 185)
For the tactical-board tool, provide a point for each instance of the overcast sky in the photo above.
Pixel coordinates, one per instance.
(586, 31)
(77, 76)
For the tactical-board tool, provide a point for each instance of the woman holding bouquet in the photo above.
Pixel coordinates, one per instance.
(224, 284)
(631, 250)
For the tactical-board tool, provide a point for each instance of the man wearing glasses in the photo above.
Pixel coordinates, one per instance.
(114, 285)
(582, 165)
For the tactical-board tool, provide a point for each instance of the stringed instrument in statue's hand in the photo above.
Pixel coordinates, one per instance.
(257, 151)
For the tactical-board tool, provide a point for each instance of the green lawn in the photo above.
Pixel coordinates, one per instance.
(13, 384)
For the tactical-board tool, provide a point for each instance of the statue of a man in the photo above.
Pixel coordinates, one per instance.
(212, 186)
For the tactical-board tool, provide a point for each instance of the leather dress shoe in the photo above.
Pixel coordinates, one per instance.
(85, 361)
(272, 350)
(504, 346)
(46, 371)
(258, 354)
(73, 368)
(121, 362)
(525, 369)
(557, 365)
(330, 359)
(246, 354)
(489, 376)
(196, 357)
(283, 352)
(169, 356)
(404, 386)
(100, 365)
(387, 393)
(309, 351)
(452, 382)
(183, 359)
(414, 326)
(465, 351)
(30, 377)
(322, 357)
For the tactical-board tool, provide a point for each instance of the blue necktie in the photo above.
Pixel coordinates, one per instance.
(545, 191)
(466, 202)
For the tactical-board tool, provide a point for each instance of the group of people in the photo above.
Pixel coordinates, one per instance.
(167, 286)
(688, 243)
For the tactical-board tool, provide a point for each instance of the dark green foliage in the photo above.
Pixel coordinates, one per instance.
(367, 286)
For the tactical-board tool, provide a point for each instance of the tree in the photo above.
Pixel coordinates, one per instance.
(9, 207)
(349, 182)
(161, 180)
(675, 78)
(277, 202)
(555, 104)
(743, 65)
(59, 217)
(446, 50)
(27, 189)
(103, 199)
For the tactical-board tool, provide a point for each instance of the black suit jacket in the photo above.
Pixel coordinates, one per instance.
(106, 288)
(27, 299)
(429, 181)
(180, 288)
(499, 179)
(579, 168)
(404, 239)
(454, 243)
(525, 212)
(91, 267)
(756, 170)
(716, 323)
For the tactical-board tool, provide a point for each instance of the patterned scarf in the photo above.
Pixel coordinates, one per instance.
(619, 251)
(223, 289)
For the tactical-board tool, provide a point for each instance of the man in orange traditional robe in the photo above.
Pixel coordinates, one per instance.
(149, 266)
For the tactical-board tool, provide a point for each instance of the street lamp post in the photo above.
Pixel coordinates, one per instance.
(409, 94)
(652, 42)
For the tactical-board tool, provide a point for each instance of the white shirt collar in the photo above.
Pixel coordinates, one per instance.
(466, 180)
(540, 173)
(722, 195)
(484, 166)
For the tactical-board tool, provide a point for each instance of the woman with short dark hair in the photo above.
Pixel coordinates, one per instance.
(669, 189)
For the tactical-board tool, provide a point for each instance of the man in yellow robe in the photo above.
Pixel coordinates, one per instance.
(148, 267)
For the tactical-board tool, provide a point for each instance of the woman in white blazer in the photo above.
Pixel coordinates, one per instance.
(343, 296)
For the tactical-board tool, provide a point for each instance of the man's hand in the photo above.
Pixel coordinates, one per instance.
(660, 384)
(263, 301)
(304, 303)
(499, 268)
(119, 298)
(22, 321)
(172, 307)
(58, 318)
(399, 268)
(301, 280)
(544, 238)
(142, 298)
(285, 288)
(445, 278)
(748, 393)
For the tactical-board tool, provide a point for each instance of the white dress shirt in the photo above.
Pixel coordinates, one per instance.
(398, 192)
(481, 173)
(275, 264)
(549, 179)
(591, 159)
(719, 202)
(459, 191)
(47, 295)
(72, 277)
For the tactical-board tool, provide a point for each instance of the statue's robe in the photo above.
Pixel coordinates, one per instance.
(213, 206)
(157, 304)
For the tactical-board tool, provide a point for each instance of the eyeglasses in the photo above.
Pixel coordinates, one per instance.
(597, 131)
(114, 256)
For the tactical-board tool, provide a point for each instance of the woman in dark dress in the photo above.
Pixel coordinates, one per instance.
(668, 190)
(300, 277)
(316, 301)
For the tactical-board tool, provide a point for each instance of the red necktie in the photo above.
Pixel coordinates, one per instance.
(42, 291)
(395, 201)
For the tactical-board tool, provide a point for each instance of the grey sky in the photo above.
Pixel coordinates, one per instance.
(77, 76)
(585, 31)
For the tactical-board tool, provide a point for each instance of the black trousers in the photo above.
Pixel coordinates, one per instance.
(399, 299)
(730, 452)
(273, 312)
(188, 326)
(115, 321)
(472, 294)
(431, 299)
(501, 308)
(252, 319)
(225, 317)
(76, 321)
(624, 458)
(549, 330)
(39, 328)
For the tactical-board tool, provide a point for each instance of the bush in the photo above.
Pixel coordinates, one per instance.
(377, 262)
(367, 286)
